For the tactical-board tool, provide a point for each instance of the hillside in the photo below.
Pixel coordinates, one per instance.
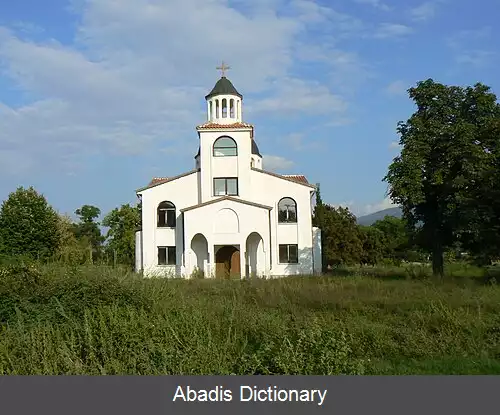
(381, 214)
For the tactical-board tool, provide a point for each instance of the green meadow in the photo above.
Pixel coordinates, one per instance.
(99, 320)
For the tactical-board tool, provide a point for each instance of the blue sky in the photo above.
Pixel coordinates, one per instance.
(99, 96)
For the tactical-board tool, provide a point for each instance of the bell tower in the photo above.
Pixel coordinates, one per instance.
(228, 151)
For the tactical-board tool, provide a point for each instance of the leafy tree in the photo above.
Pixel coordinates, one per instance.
(395, 237)
(70, 248)
(88, 229)
(440, 161)
(123, 223)
(342, 242)
(28, 225)
(373, 245)
(482, 207)
(319, 222)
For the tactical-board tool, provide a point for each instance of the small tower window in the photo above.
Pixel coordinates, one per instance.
(224, 108)
(217, 108)
(225, 146)
(231, 108)
(211, 111)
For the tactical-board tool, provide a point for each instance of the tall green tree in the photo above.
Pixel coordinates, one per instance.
(440, 161)
(481, 238)
(122, 224)
(70, 250)
(319, 221)
(87, 229)
(373, 245)
(342, 240)
(28, 225)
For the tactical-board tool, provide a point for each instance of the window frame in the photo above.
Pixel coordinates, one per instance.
(287, 221)
(168, 207)
(235, 147)
(167, 256)
(288, 262)
(225, 186)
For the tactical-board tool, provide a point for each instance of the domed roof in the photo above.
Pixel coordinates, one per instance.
(255, 149)
(223, 87)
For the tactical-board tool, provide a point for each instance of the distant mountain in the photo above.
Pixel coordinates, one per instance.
(381, 214)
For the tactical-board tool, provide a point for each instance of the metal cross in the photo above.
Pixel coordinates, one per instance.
(223, 68)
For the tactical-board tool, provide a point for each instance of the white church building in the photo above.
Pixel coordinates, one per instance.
(227, 217)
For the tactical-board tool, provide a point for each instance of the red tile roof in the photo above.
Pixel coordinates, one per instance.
(214, 126)
(296, 178)
(157, 180)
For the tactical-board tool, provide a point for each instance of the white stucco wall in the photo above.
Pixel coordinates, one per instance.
(270, 190)
(230, 223)
(175, 192)
(138, 251)
(232, 166)
(318, 267)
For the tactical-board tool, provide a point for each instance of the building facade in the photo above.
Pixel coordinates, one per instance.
(228, 217)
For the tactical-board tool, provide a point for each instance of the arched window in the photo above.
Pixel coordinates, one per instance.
(166, 215)
(225, 146)
(287, 210)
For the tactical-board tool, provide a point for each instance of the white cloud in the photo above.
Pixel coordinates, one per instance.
(392, 30)
(292, 95)
(300, 142)
(425, 11)
(371, 208)
(375, 3)
(475, 57)
(397, 88)
(468, 47)
(137, 73)
(276, 163)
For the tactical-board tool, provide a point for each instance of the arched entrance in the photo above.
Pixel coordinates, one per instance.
(227, 262)
(255, 255)
(199, 246)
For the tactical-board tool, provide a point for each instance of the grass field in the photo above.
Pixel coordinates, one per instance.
(95, 320)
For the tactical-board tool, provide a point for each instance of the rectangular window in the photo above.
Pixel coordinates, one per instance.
(226, 186)
(166, 218)
(166, 255)
(289, 254)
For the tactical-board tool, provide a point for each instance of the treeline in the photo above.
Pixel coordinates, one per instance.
(31, 228)
(386, 242)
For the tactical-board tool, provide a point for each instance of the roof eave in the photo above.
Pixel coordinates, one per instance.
(279, 176)
(171, 179)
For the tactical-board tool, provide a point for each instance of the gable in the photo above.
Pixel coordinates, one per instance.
(229, 198)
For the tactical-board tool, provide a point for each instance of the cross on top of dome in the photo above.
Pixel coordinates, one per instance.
(223, 68)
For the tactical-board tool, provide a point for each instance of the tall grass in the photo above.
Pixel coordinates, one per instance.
(92, 320)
